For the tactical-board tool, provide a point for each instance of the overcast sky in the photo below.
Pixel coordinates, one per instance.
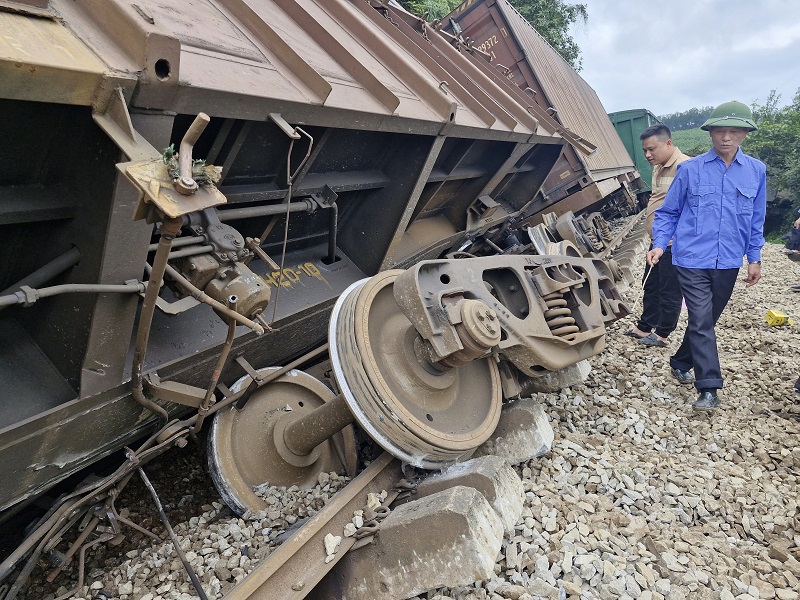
(672, 56)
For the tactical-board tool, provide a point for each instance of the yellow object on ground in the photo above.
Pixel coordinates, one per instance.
(776, 317)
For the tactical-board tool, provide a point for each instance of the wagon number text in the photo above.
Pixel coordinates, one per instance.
(294, 275)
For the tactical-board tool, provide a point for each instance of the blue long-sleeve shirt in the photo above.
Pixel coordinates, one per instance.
(714, 213)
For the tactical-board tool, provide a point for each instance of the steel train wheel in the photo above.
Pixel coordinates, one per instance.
(423, 416)
(242, 451)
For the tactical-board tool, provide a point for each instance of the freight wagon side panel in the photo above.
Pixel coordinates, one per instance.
(532, 64)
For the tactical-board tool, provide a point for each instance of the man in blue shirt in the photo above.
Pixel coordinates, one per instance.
(714, 213)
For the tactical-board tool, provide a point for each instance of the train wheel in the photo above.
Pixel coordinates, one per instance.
(243, 447)
(425, 416)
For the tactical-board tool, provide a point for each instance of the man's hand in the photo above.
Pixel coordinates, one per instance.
(797, 223)
(753, 274)
(653, 256)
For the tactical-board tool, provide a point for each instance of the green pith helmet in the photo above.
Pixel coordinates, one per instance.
(731, 114)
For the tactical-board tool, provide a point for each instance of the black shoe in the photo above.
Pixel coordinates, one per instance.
(707, 400)
(652, 340)
(685, 377)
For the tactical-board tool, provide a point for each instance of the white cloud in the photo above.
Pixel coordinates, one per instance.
(672, 56)
(779, 37)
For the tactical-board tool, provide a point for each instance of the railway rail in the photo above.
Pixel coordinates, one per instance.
(292, 571)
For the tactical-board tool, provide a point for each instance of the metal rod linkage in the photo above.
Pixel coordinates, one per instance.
(179, 242)
(243, 396)
(28, 295)
(202, 411)
(45, 273)
(169, 229)
(192, 251)
(232, 214)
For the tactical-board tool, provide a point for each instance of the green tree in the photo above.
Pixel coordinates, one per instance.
(431, 9)
(551, 18)
(777, 143)
(687, 119)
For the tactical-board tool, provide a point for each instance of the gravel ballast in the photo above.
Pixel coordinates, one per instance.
(641, 497)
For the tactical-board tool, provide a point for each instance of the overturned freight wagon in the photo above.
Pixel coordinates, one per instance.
(605, 179)
(186, 197)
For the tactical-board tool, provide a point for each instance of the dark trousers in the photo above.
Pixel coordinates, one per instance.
(706, 292)
(661, 304)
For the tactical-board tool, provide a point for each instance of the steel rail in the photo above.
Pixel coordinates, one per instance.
(299, 564)
(621, 236)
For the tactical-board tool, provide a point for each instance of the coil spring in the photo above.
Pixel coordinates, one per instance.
(605, 231)
(559, 317)
(596, 241)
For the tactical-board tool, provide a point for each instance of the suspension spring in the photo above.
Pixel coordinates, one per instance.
(605, 231)
(596, 241)
(559, 316)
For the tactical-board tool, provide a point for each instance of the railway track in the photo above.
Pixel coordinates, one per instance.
(300, 563)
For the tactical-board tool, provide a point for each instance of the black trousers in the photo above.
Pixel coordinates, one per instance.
(706, 292)
(661, 303)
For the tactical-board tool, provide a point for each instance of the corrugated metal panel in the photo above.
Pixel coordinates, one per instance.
(246, 58)
(577, 104)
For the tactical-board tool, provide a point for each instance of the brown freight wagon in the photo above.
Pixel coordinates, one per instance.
(351, 139)
(196, 199)
(607, 177)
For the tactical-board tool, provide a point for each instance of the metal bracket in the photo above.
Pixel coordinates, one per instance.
(284, 125)
(172, 391)
(325, 197)
(255, 382)
(176, 308)
(160, 199)
(482, 214)
(116, 122)
(162, 196)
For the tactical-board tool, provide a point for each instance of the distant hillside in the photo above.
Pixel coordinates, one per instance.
(692, 141)
(687, 119)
